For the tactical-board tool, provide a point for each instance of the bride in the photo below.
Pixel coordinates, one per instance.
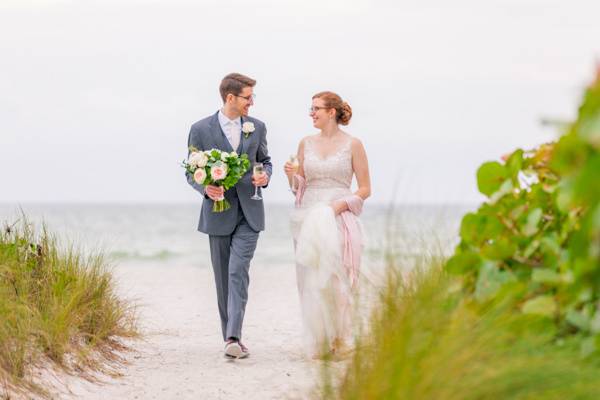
(325, 226)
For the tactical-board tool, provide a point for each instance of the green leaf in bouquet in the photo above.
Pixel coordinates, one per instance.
(216, 154)
(490, 177)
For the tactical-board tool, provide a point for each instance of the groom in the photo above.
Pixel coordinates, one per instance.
(233, 233)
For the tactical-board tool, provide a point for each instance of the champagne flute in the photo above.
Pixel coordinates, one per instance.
(257, 172)
(295, 162)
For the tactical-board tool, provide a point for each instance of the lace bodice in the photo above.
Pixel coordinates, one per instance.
(333, 171)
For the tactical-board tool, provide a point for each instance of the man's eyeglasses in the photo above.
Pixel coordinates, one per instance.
(248, 98)
(314, 109)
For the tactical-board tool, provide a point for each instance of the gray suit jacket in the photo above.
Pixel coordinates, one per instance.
(207, 134)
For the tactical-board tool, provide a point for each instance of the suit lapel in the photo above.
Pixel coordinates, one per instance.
(219, 136)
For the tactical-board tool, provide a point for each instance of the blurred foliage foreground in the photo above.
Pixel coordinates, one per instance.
(514, 313)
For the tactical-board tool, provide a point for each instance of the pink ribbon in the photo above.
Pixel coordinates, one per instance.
(352, 237)
(299, 188)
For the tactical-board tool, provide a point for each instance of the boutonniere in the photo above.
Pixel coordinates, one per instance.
(247, 129)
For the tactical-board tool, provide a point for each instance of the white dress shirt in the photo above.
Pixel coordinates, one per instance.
(231, 128)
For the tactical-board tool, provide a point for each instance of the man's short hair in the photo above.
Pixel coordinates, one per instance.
(234, 83)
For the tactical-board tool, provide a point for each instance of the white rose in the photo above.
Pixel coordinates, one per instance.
(224, 156)
(199, 176)
(233, 154)
(198, 159)
(247, 127)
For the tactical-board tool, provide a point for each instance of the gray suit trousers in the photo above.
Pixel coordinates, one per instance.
(231, 255)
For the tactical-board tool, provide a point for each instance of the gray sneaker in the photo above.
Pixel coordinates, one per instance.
(233, 349)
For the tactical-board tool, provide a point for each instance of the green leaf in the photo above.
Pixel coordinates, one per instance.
(531, 248)
(533, 219)
(490, 176)
(578, 320)
(590, 130)
(490, 280)
(514, 164)
(551, 243)
(546, 276)
(505, 188)
(499, 249)
(469, 227)
(476, 228)
(462, 263)
(540, 305)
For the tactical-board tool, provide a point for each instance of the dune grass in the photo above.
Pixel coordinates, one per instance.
(426, 341)
(58, 308)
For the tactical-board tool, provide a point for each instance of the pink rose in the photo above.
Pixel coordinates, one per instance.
(200, 176)
(218, 171)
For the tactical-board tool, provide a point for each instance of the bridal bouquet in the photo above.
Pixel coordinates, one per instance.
(217, 168)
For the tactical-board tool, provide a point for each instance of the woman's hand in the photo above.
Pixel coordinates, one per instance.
(339, 206)
(290, 169)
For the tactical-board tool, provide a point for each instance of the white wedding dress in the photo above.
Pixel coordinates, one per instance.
(324, 286)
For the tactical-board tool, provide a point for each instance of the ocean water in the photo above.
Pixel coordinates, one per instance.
(166, 233)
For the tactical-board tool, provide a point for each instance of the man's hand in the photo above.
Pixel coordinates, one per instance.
(214, 192)
(261, 180)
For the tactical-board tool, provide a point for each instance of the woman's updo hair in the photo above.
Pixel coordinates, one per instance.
(343, 111)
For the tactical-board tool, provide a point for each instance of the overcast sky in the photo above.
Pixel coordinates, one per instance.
(97, 97)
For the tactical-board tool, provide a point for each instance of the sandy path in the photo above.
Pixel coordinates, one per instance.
(181, 355)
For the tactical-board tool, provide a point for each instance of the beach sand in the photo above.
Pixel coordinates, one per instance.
(181, 353)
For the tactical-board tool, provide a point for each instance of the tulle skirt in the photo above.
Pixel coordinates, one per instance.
(324, 288)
